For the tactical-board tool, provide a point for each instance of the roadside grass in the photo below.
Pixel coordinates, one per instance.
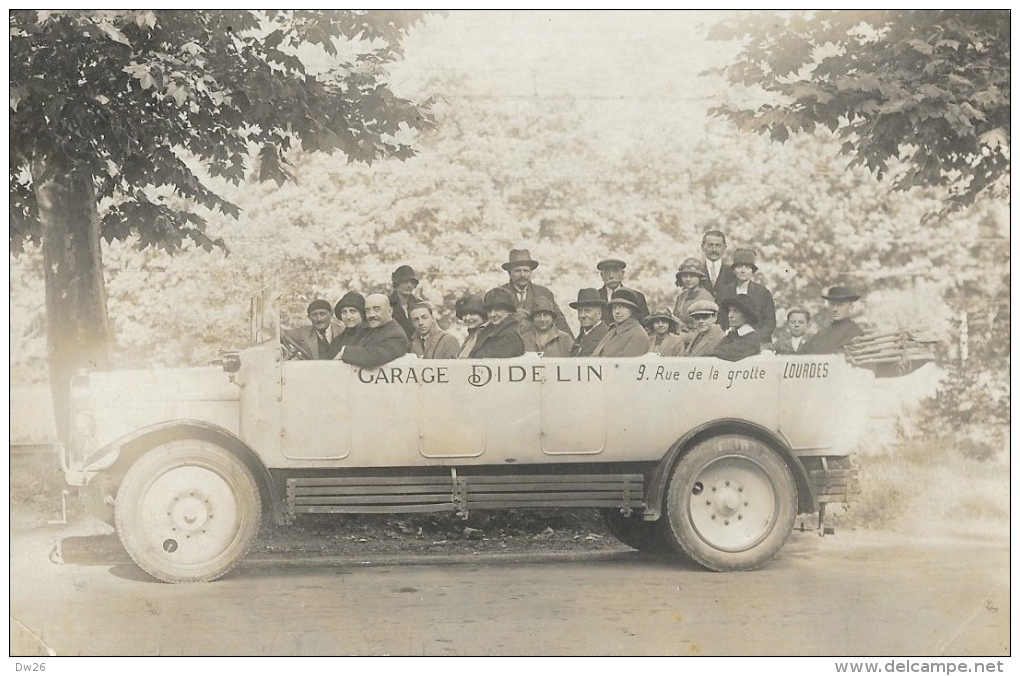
(937, 484)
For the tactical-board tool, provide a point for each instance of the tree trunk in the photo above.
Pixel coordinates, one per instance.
(78, 333)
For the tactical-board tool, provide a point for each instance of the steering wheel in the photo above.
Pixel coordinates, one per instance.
(295, 350)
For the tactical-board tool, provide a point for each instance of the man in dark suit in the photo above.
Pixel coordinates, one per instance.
(383, 340)
(713, 245)
(589, 313)
(793, 340)
(613, 271)
(524, 293)
(402, 298)
(842, 329)
(321, 338)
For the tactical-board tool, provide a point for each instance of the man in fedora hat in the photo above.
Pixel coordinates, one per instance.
(706, 335)
(430, 341)
(589, 315)
(382, 341)
(321, 338)
(626, 337)
(613, 271)
(544, 337)
(501, 337)
(842, 329)
(402, 297)
(524, 293)
(741, 340)
(713, 246)
(759, 296)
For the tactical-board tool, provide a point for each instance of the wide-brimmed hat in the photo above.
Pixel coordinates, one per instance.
(543, 304)
(319, 304)
(471, 304)
(702, 307)
(625, 297)
(744, 257)
(520, 257)
(587, 297)
(743, 303)
(841, 293)
(499, 297)
(662, 313)
(351, 299)
(610, 263)
(404, 273)
(692, 266)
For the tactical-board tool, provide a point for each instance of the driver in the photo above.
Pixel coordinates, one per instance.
(382, 341)
(321, 338)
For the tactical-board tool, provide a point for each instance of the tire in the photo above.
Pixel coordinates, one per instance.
(187, 511)
(644, 536)
(731, 503)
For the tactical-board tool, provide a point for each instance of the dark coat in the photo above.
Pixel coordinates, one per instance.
(628, 339)
(308, 339)
(734, 348)
(833, 337)
(586, 343)
(376, 346)
(726, 276)
(399, 316)
(499, 340)
(532, 293)
(607, 311)
(438, 345)
(702, 344)
(764, 307)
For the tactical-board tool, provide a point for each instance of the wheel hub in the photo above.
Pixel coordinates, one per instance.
(732, 504)
(190, 513)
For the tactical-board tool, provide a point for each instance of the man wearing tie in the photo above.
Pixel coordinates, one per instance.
(524, 293)
(613, 271)
(321, 338)
(589, 314)
(713, 245)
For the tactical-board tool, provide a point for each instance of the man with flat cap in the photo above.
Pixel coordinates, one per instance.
(501, 337)
(613, 271)
(321, 338)
(589, 315)
(842, 329)
(402, 298)
(383, 340)
(741, 340)
(706, 335)
(524, 293)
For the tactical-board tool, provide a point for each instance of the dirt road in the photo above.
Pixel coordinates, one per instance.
(851, 594)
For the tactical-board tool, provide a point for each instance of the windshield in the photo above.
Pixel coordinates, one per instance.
(265, 314)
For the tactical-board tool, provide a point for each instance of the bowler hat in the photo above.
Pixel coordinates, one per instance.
(692, 266)
(587, 297)
(841, 293)
(610, 263)
(404, 273)
(471, 304)
(520, 257)
(744, 257)
(351, 299)
(625, 297)
(662, 313)
(543, 304)
(319, 304)
(499, 297)
(743, 303)
(702, 307)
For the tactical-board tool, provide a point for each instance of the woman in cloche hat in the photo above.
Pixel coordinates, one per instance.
(661, 325)
(626, 338)
(689, 279)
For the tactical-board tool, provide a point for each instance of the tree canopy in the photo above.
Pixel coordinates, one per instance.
(928, 87)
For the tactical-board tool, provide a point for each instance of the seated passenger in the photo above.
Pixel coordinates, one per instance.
(662, 339)
(842, 329)
(430, 341)
(350, 310)
(626, 337)
(500, 339)
(759, 297)
(321, 338)
(381, 342)
(589, 314)
(470, 309)
(543, 336)
(741, 340)
(689, 279)
(707, 334)
(793, 340)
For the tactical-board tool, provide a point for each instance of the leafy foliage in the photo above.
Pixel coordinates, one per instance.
(923, 95)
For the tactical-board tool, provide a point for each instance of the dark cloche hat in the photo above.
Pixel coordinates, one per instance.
(471, 304)
(499, 297)
(351, 299)
(587, 297)
(626, 297)
(662, 313)
(610, 263)
(404, 273)
(319, 304)
(841, 293)
(520, 257)
(743, 303)
(692, 266)
(744, 257)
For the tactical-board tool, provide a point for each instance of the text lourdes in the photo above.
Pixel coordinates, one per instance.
(481, 376)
